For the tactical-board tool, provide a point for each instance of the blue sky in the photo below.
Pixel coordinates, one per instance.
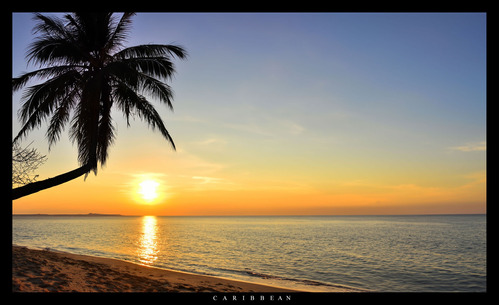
(368, 98)
(400, 69)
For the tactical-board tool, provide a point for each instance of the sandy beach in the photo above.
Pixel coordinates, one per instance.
(49, 271)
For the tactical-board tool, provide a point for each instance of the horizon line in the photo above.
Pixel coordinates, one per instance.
(274, 215)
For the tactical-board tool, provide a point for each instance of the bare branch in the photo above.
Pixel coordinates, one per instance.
(25, 161)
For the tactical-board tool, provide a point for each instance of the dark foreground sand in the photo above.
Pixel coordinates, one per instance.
(48, 271)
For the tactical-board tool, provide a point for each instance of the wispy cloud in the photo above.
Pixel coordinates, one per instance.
(268, 126)
(253, 128)
(207, 183)
(206, 180)
(187, 118)
(212, 140)
(471, 146)
(292, 127)
(476, 178)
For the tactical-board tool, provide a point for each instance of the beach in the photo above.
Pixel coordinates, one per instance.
(49, 271)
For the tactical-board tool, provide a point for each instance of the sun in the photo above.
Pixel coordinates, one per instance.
(147, 189)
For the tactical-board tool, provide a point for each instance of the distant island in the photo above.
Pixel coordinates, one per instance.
(89, 214)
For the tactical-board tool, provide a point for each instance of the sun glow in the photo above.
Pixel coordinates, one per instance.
(147, 189)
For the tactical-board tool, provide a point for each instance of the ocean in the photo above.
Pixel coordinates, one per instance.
(431, 253)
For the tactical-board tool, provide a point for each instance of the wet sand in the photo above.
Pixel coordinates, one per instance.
(50, 271)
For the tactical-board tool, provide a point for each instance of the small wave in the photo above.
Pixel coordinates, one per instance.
(315, 285)
(301, 281)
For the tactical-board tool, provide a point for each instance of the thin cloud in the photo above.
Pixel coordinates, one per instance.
(208, 179)
(293, 128)
(476, 146)
(187, 118)
(210, 141)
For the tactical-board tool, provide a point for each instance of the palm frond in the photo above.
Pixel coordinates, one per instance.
(92, 29)
(61, 116)
(157, 89)
(84, 128)
(159, 67)
(127, 98)
(151, 50)
(105, 128)
(42, 99)
(120, 32)
(19, 82)
(55, 51)
(141, 81)
(49, 26)
(34, 118)
(56, 43)
(57, 122)
(106, 136)
(79, 134)
(53, 89)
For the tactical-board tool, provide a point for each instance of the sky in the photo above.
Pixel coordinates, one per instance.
(291, 114)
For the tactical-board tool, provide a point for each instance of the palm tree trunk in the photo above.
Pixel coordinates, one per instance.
(34, 187)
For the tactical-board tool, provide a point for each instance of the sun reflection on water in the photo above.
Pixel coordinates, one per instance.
(148, 248)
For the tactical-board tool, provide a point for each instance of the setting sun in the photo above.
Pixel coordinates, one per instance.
(148, 189)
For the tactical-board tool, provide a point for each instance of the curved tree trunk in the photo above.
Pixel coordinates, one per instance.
(34, 187)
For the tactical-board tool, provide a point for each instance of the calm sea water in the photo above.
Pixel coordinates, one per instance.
(317, 253)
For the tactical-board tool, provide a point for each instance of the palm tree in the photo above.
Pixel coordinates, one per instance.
(86, 71)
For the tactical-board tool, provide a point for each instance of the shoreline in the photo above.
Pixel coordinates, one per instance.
(54, 271)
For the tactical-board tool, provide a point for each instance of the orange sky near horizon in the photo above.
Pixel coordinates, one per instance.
(93, 198)
(370, 114)
(195, 181)
(183, 192)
